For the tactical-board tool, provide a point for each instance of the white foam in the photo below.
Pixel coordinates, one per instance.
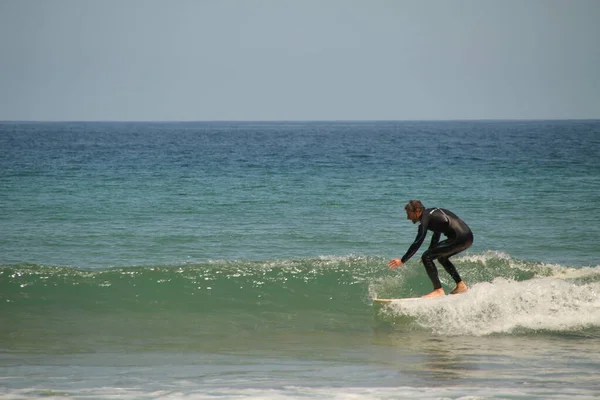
(298, 392)
(570, 273)
(557, 269)
(504, 305)
(485, 256)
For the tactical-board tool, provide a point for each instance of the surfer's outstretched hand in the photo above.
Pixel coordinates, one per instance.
(395, 263)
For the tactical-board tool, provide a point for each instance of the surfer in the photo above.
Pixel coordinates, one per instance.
(459, 238)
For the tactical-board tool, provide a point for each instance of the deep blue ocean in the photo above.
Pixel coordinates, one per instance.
(239, 260)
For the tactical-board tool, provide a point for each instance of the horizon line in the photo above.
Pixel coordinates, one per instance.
(299, 120)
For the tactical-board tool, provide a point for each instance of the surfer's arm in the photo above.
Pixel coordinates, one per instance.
(421, 234)
(435, 239)
(416, 244)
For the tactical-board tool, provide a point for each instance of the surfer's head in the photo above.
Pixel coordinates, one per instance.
(414, 209)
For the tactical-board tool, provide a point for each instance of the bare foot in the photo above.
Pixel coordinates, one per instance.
(460, 288)
(435, 293)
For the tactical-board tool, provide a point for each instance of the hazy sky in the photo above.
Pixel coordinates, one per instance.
(299, 60)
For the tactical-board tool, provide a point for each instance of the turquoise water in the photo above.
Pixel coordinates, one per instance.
(239, 260)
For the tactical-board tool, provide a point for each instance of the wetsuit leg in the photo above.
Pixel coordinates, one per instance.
(443, 251)
(450, 268)
(431, 269)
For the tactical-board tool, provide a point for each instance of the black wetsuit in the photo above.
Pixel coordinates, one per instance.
(459, 238)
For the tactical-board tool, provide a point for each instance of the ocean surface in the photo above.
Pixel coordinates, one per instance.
(239, 260)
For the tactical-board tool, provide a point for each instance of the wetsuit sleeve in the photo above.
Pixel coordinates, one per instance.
(435, 239)
(416, 244)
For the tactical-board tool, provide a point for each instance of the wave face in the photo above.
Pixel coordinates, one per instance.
(506, 296)
(249, 287)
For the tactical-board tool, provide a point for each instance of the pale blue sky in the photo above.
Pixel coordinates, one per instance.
(299, 60)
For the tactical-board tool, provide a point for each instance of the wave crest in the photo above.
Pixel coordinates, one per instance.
(506, 295)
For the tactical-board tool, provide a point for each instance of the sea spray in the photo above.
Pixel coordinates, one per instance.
(505, 306)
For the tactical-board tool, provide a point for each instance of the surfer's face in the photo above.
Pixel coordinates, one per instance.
(414, 216)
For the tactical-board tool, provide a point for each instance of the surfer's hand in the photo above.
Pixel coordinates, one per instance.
(395, 263)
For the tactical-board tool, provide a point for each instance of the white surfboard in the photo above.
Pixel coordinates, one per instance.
(387, 301)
